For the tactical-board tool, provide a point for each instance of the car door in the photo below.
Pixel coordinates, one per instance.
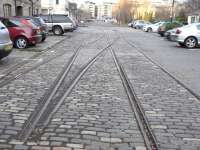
(12, 28)
(198, 33)
(4, 34)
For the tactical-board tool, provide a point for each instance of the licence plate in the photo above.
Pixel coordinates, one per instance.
(8, 47)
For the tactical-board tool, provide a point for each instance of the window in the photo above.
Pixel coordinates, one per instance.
(57, 2)
(37, 11)
(7, 10)
(61, 19)
(198, 27)
(30, 11)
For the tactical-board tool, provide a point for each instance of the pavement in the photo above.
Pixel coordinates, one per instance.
(19, 55)
(97, 115)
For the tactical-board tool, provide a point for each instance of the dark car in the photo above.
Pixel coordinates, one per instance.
(58, 24)
(22, 32)
(38, 21)
(168, 26)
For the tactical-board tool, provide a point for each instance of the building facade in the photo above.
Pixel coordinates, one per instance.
(105, 11)
(90, 7)
(20, 7)
(55, 7)
(73, 10)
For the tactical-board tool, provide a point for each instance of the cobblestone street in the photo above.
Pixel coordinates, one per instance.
(73, 96)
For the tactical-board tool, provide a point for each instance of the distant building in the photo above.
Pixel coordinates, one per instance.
(73, 9)
(194, 17)
(90, 7)
(105, 11)
(55, 6)
(20, 7)
(159, 3)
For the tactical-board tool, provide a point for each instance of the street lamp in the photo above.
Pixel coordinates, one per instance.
(15, 2)
(32, 6)
(172, 11)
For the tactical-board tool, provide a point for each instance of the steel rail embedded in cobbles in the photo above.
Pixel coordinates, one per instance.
(197, 96)
(34, 119)
(143, 124)
(29, 60)
(6, 80)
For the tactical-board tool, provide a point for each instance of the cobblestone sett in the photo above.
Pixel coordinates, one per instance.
(111, 140)
(170, 109)
(40, 148)
(61, 148)
(72, 145)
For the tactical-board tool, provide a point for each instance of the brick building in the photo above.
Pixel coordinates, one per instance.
(20, 7)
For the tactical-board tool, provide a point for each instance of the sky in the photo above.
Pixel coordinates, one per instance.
(95, 1)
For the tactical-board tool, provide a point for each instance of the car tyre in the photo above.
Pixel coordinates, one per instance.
(190, 42)
(21, 43)
(149, 30)
(57, 30)
(43, 38)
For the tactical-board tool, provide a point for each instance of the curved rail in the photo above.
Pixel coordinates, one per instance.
(6, 80)
(42, 112)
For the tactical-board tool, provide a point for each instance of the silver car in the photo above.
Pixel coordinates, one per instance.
(58, 24)
(6, 44)
(152, 27)
(189, 35)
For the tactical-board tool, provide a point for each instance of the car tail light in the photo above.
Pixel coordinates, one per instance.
(178, 31)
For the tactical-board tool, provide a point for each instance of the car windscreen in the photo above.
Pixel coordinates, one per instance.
(1, 24)
(11, 22)
(39, 21)
(46, 18)
(198, 27)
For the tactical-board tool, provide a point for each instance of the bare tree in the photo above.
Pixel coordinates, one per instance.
(192, 5)
(123, 11)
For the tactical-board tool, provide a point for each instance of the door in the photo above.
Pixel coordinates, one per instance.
(19, 11)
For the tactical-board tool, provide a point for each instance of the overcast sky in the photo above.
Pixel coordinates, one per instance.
(95, 1)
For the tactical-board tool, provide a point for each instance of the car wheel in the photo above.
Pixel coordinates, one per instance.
(190, 42)
(43, 38)
(162, 34)
(149, 30)
(21, 43)
(57, 30)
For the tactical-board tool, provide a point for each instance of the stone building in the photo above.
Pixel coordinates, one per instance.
(20, 7)
(55, 7)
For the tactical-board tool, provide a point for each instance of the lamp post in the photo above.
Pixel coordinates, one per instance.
(32, 6)
(172, 11)
(15, 3)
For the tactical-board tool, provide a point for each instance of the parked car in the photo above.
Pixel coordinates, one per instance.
(22, 32)
(189, 35)
(5, 42)
(39, 22)
(168, 26)
(171, 34)
(58, 24)
(130, 24)
(139, 24)
(152, 27)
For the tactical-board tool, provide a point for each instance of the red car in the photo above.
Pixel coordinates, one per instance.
(22, 32)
